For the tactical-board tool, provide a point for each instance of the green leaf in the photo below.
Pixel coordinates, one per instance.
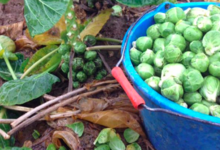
(4, 1)
(141, 3)
(77, 127)
(103, 136)
(133, 146)
(102, 147)
(17, 148)
(4, 72)
(51, 146)
(21, 91)
(130, 135)
(23, 65)
(36, 134)
(48, 65)
(41, 15)
(116, 144)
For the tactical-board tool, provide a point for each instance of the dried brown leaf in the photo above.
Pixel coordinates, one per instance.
(92, 105)
(24, 43)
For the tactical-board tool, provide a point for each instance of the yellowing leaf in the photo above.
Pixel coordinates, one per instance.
(94, 27)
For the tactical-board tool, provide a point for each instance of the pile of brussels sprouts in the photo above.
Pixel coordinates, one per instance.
(180, 57)
(84, 64)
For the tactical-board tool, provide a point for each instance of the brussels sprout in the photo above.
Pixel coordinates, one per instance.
(64, 48)
(210, 88)
(203, 23)
(90, 55)
(100, 74)
(181, 26)
(98, 62)
(159, 60)
(89, 40)
(89, 68)
(191, 98)
(147, 57)
(65, 67)
(192, 80)
(103, 72)
(172, 54)
(145, 70)
(160, 17)
(166, 29)
(200, 62)
(211, 42)
(213, 9)
(73, 75)
(130, 135)
(153, 82)
(215, 57)
(196, 47)
(215, 110)
(133, 146)
(214, 69)
(176, 40)
(172, 89)
(192, 34)
(79, 47)
(186, 58)
(182, 103)
(143, 43)
(175, 14)
(216, 26)
(81, 76)
(195, 12)
(215, 17)
(208, 104)
(77, 63)
(7, 43)
(75, 84)
(66, 57)
(153, 31)
(157, 71)
(200, 108)
(135, 56)
(159, 44)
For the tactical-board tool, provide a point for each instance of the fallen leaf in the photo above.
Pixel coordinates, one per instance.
(113, 119)
(94, 27)
(23, 43)
(92, 105)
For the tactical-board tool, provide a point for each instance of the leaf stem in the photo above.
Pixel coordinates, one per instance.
(104, 47)
(38, 62)
(10, 68)
(109, 40)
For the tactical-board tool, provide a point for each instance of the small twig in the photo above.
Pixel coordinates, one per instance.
(48, 97)
(105, 63)
(104, 47)
(63, 115)
(70, 86)
(109, 40)
(4, 135)
(51, 102)
(18, 108)
(56, 106)
(6, 121)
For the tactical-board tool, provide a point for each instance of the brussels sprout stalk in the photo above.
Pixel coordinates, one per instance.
(104, 47)
(10, 68)
(108, 40)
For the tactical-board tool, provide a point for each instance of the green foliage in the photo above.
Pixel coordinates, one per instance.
(141, 3)
(4, 1)
(77, 127)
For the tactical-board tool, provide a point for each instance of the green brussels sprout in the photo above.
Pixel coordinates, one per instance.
(100, 74)
(130, 135)
(133, 146)
(153, 82)
(196, 47)
(135, 56)
(191, 98)
(172, 54)
(204, 24)
(73, 75)
(90, 55)
(159, 60)
(215, 57)
(176, 40)
(147, 57)
(64, 48)
(208, 104)
(211, 42)
(157, 71)
(159, 44)
(200, 62)
(200, 108)
(182, 103)
(65, 67)
(145, 70)
(172, 89)
(215, 110)
(103, 72)
(75, 84)
(77, 63)
(195, 12)
(89, 68)
(186, 58)
(98, 62)
(214, 69)
(117, 11)
(143, 43)
(79, 47)
(192, 80)
(175, 14)
(213, 9)
(192, 34)
(215, 17)
(66, 57)
(181, 26)
(216, 26)
(160, 17)
(89, 40)
(166, 29)
(81, 76)
(210, 88)
(7, 43)
(153, 31)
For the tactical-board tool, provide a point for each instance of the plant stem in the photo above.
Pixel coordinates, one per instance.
(10, 68)
(105, 63)
(38, 62)
(108, 40)
(70, 86)
(18, 108)
(104, 47)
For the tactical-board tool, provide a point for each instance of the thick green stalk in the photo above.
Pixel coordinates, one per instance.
(104, 47)
(109, 40)
(10, 68)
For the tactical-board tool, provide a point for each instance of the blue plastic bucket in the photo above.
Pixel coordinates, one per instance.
(185, 130)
